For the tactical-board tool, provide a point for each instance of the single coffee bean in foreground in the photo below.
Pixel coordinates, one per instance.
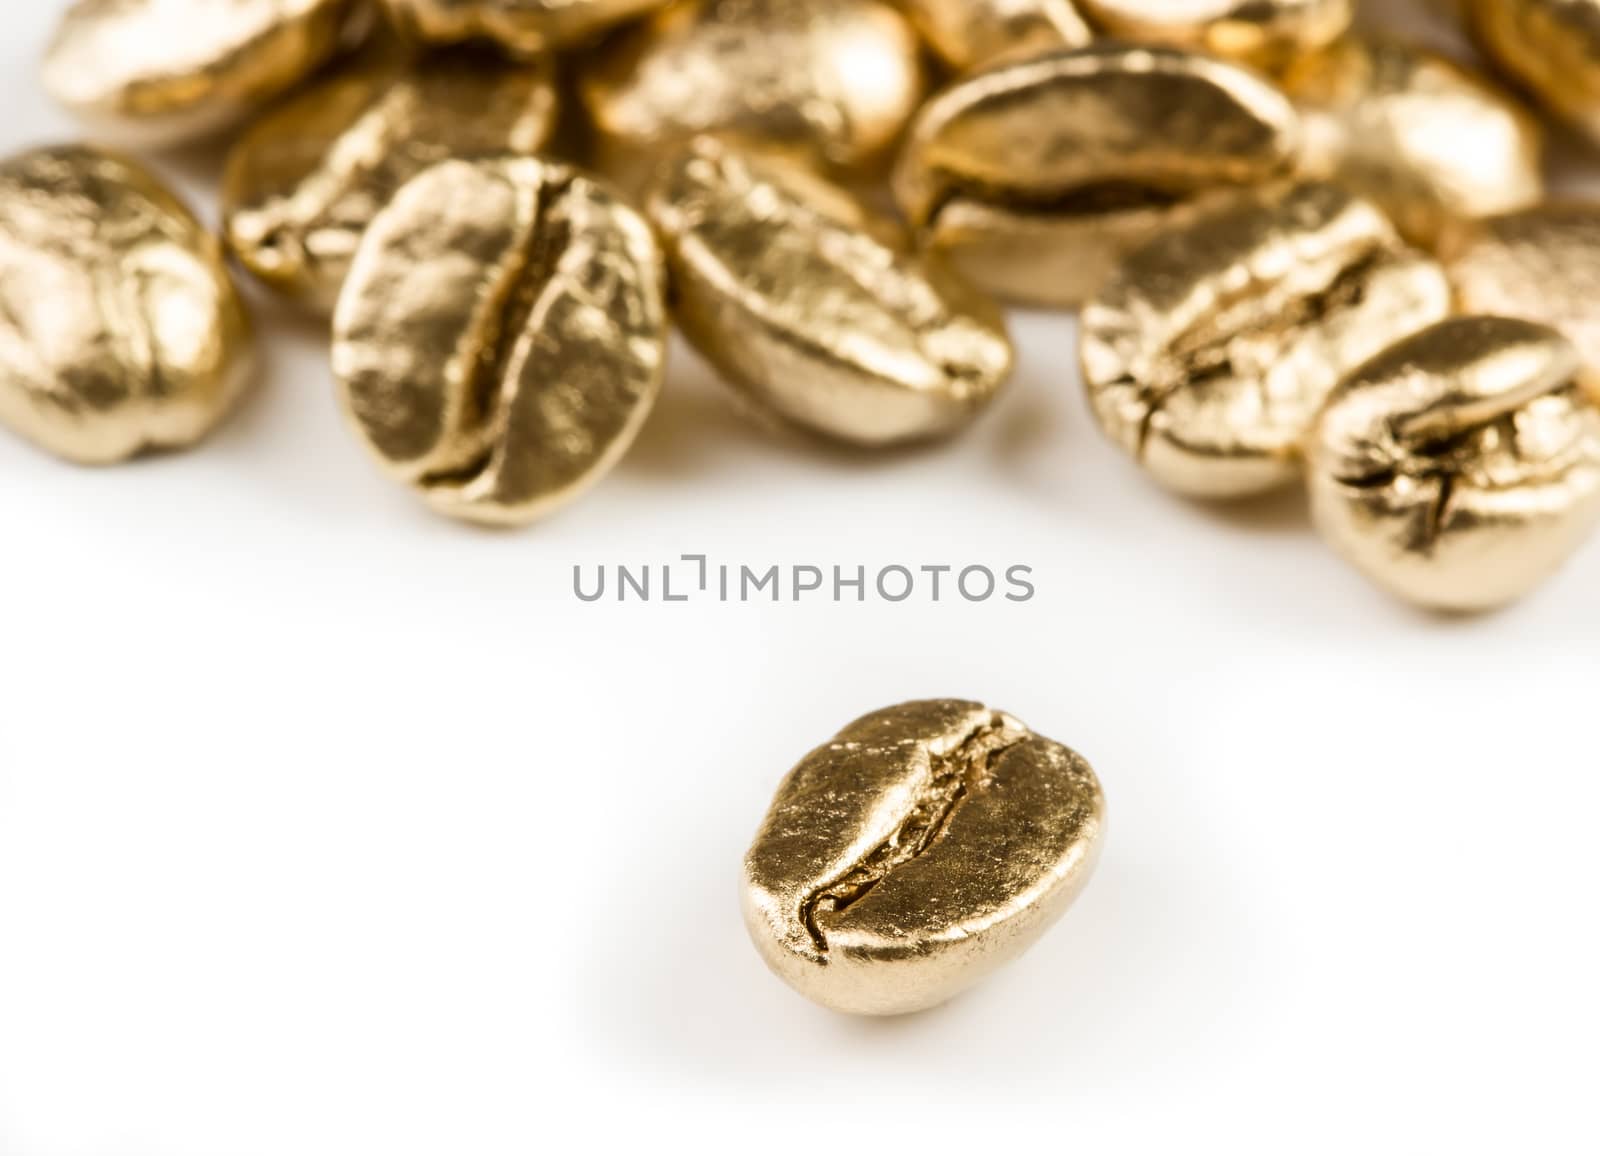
(1209, 353)
(1419, 135)
(1034, 177)
(1460, 467)
(522, 27)
(1549, 47)
(501, 337)
(968, 33)
(305, 182)
(814, 306)
(915, 852)
(120, 331)
(832, 80)
(1261, 32)
(1540, 264)
(160, 72)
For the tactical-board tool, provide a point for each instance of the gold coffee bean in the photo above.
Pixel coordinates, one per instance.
(1460, 467)
(1540, 264)
(501, 336)
(1035, 176)
(967, 33)
(814, 307)
(1263, 32)
(1550, 47)
(304, 183)
(522, 26)
(834, 80)
(164, 71)
(119, 329)
(1209, 353)
(921, 848)
(1419, 135)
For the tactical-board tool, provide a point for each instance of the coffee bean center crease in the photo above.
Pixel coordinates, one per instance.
(1241, 339)
(955, 775)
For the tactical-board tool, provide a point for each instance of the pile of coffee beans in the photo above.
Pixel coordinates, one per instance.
(1303, 255)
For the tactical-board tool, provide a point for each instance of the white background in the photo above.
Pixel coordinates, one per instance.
(328, 827)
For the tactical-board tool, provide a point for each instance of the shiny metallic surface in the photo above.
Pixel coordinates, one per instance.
(120, 331)
(918, 850)
(1541, 264)
(968, 33)
(1460, 467)
(1209, 354)
(1035, 176)
(522, 26)
(159, 72)
(1549, 47)
(810, 304)
(305, 182)
(833, 80)
(501, 337)
(1262, 32)
(1420, 135)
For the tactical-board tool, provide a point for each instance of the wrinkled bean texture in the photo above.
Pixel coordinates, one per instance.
(815, 308)
(1460, 467)
(501, 337)
(1210, 352)
(304, 183)
(919, 849)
